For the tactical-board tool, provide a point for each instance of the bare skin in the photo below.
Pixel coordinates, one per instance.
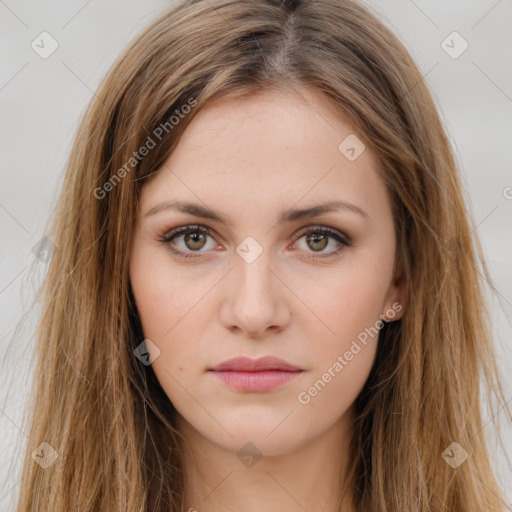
(250, 159)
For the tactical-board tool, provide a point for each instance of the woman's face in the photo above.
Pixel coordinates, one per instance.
(265, 280)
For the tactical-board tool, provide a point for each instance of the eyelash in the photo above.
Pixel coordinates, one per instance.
(323, 230)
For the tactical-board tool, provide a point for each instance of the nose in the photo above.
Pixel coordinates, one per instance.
(255, 299)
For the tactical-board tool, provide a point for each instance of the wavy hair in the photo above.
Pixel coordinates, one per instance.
(105, 413)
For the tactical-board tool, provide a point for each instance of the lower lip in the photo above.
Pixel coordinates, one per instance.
(255, 381)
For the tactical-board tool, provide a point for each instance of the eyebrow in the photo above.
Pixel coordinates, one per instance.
(287, 216)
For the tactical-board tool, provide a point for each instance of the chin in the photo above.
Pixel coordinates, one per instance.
(263, 438)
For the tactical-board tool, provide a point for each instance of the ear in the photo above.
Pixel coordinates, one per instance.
(396, 298)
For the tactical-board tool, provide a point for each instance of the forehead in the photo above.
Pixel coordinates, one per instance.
(278, 148)
(296, 119)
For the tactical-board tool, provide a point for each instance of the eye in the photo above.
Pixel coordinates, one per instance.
(195, 238)
(318, 238)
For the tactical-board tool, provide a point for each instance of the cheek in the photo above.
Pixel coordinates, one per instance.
(173, 310)
(163, 295)
(344, 356)
(342, 304)
(347, 307)
(333, 390)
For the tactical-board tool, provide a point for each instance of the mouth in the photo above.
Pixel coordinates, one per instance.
(257, 381)
(248, 375)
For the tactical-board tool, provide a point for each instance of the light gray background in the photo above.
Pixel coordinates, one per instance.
(41, 100)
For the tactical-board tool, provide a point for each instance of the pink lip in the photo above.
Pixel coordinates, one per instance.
(255, 375)
(246, 364)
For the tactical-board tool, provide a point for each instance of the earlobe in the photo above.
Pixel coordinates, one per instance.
(394, 312)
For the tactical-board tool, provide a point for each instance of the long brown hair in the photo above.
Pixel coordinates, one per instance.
(104, 412)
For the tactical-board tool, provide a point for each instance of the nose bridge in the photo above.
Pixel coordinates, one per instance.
(252, 274)
(255, 302)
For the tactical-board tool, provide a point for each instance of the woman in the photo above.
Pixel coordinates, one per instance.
(264, 293)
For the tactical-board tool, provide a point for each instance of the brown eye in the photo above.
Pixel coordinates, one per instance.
(187, 241)
(317, 241)
(195, 240)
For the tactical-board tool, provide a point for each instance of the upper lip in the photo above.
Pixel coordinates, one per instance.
(246, 364)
